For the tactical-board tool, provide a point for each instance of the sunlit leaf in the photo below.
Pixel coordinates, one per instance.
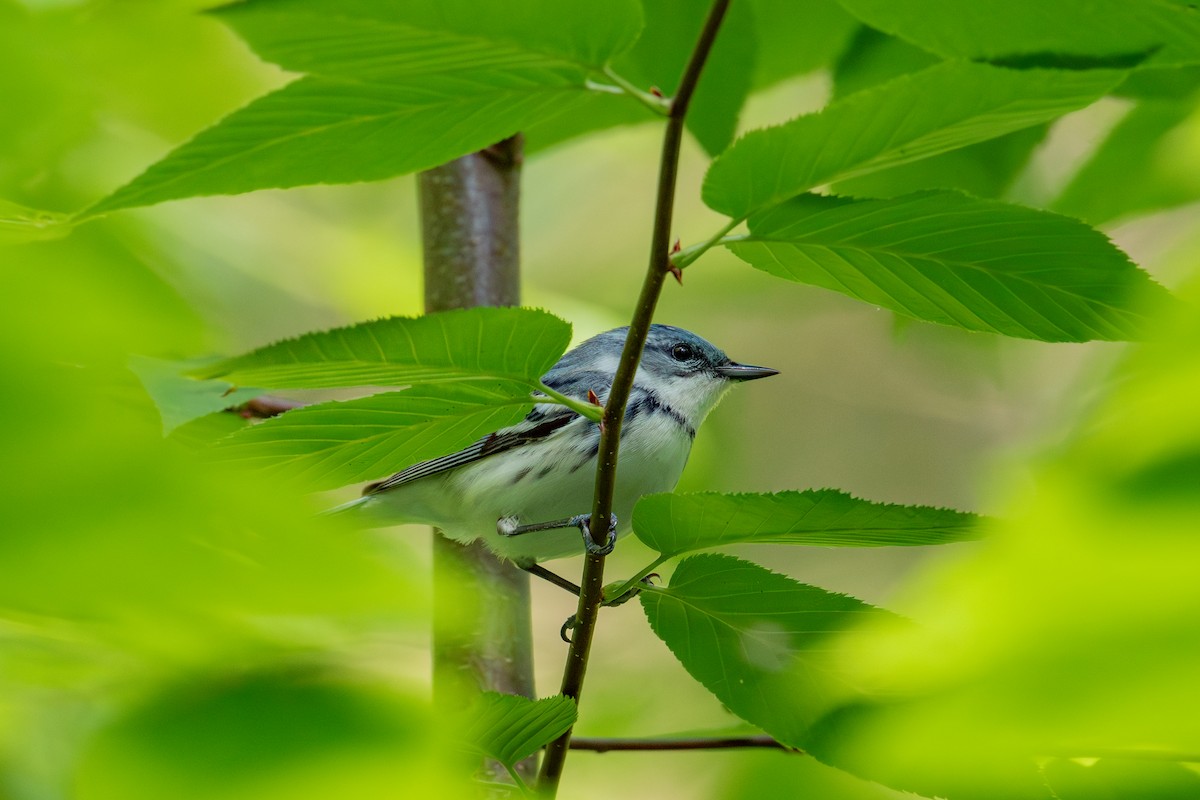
(678, 523)
(952, 259)
(756, 639)
(509, 728)
(333, 444)
(265, 736)
(999, 28)
(330, 130)
(1109, 779)
(941, 108)
(475, 344)
(181, 399)
(1072, 631)
(369, 39)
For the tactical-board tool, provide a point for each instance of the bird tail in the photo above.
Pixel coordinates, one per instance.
(344, 507)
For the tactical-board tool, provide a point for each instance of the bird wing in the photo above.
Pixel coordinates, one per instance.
(543, 421)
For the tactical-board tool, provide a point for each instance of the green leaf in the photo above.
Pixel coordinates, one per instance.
(509, 728)
(367, 38)
(1138, 166)
(330, 130)
(475, 344)
(786, 48)
(915, 116)
(992, 29)
(948, 258)
(873, 58)
(757, 640)
(332, 444)
(20, 223)
(181, 399)
(593, 112)
(677, 523)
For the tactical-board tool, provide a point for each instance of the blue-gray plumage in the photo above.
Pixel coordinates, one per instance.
(543, 468)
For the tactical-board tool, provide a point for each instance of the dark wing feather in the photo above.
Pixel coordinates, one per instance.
(537, 425)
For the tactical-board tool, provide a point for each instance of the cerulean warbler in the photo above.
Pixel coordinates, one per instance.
(516, 489)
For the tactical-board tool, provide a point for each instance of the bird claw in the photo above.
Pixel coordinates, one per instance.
(570, 625)
(584, 523)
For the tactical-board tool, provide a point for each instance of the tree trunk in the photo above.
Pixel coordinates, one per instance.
(482, 636)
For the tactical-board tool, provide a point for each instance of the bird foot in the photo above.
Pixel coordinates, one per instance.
(584, 523)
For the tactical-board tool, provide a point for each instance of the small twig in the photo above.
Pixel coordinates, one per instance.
(598, 744)
(265, 406)
(614, 410)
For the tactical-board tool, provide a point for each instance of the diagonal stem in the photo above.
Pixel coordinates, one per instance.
(614, 411)
(598, 744)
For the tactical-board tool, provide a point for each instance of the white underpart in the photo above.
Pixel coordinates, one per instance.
(550, 479)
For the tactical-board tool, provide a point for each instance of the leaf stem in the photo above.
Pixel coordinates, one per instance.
(592, 581)
(685, 257)
(659, 105)
(585, 409)
(636, 579)
(518, 781)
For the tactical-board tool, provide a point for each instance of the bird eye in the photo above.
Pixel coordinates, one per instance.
(682, 352)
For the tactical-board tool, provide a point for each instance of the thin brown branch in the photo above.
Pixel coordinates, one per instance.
(265, 406)
(598, 744)
(614, 409)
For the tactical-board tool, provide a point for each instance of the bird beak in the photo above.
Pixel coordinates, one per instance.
(744, 372)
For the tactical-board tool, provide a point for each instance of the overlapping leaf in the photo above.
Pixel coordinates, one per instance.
(678, 523)
(995, 29)
(333, 444)
(509, 728)
(514, 344)
(956, 260)
(757, 640)
(942, 108)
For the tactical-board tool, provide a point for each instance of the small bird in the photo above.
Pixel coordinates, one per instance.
(517, 488)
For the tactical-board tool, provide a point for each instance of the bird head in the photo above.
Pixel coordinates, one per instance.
(682, 370)
(689, 373)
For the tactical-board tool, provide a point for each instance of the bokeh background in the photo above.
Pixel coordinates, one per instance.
(133, 611)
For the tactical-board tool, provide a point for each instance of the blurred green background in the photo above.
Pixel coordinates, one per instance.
(166, 624)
